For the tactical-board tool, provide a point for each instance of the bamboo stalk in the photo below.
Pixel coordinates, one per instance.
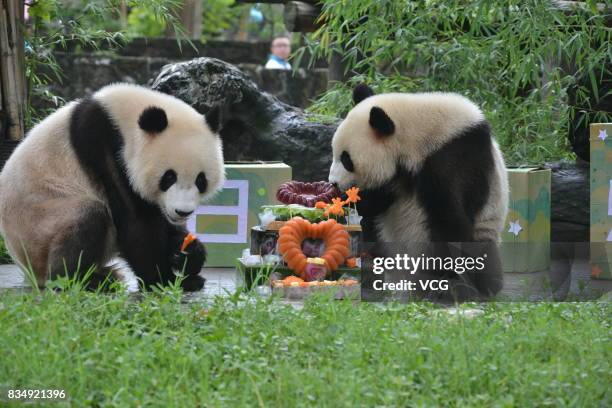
(12, 73)
(123, 13)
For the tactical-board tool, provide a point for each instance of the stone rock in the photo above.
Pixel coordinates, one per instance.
(256, 125)
(295, 88)
(570, 201)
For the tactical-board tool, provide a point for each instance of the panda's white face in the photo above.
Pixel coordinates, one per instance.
(180, 167)
(179, 201)
(172, 153)
(183, 170)
(364, 151)
(387, 131)
(359, 159)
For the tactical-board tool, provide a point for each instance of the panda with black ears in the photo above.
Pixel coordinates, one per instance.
(117, 173)
(428, 169)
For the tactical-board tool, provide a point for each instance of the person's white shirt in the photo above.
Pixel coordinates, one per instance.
(277, 63)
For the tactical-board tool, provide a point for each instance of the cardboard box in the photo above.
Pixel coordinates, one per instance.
(601, 200)
(224, 224)
(525, 243)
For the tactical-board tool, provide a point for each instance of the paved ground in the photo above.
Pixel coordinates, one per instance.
(219, 281)
(517, 286)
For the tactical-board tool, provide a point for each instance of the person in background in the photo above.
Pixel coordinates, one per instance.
(280, 51)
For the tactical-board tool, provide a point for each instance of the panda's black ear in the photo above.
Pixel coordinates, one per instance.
(213, 118)
(360, 92)
(381, 122)
(153, 120)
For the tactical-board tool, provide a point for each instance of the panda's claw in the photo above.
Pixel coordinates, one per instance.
(191, 260)
(192, 283)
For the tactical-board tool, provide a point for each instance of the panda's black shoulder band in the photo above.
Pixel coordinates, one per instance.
(153, 120)
(97, 143)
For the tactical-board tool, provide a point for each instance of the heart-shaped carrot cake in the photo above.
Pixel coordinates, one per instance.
(296, 230)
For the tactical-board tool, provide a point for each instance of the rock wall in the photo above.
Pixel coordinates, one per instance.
(85, 71)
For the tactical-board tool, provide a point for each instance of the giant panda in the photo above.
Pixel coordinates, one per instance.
(428, 169)
(116, 173)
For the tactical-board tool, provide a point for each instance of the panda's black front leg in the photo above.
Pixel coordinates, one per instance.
(373, 203)
(143, 243)
(188, 262)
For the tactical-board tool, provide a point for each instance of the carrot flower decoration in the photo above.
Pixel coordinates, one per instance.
(337, 202)
(336, 207)
(352, 198)
(321, 205)
(330, 210)
(353, 195)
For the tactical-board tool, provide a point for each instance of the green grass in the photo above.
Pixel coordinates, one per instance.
(5, 257)
(117, 350)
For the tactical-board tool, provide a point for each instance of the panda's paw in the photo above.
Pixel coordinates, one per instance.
(191, 260)
(192, 283)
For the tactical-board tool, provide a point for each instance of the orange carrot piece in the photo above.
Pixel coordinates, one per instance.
(189, 238)
(291, 279)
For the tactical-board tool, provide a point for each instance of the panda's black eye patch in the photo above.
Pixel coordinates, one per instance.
(201, 182)
(345, 158)
(167, 180)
